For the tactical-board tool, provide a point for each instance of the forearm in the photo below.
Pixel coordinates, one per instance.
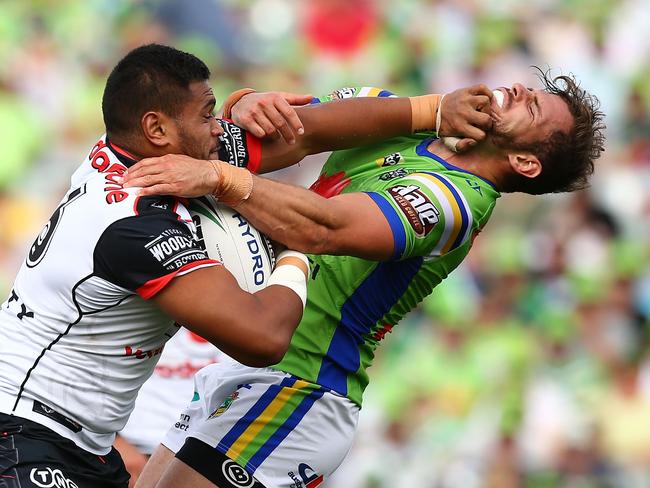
(253, 328)
(298, 218)
(354, 122)
(341, 124)
(265, 326)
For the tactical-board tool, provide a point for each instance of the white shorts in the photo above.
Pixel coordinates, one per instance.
(284, 431)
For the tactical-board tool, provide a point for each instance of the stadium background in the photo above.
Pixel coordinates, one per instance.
(529, 366)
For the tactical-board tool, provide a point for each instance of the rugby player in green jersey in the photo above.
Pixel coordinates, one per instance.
(385, 223)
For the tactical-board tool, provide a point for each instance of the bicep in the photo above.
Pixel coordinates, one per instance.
(361, 227)
(210, 303)
(202, 298)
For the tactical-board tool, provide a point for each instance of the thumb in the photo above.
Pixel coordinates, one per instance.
(465, 144)
(296, 98)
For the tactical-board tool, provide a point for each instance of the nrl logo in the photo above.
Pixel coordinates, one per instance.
(390, 160)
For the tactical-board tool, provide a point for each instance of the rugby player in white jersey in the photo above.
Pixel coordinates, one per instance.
(105, 281)
(111, 273)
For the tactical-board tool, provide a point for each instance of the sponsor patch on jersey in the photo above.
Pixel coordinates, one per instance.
(420, 212)
(49, 412)
(174, 249)
(389, 160)
(395, 173)
(234, 148)
(342, 93)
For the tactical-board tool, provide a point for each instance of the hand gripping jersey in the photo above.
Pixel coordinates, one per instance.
(78, 336)
(434, 210)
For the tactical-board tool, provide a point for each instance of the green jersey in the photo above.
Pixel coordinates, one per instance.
(434, 210)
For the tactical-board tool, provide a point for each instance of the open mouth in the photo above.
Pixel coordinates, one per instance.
(499, 98)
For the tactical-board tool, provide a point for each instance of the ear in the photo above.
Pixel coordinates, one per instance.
(156, 128)
(525, 164)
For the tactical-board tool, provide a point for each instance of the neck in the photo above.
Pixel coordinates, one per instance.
(479, 160)
(137, 149)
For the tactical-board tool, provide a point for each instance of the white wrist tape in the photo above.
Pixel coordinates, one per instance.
(290, 275)
(294, 254)
(439, 115)
(451, 142)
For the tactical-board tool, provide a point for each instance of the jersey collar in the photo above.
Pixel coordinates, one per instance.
(125, 157)
(422, 150)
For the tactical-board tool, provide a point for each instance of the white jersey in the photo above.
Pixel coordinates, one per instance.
(171, 386)
(78, 336)
(170, 389)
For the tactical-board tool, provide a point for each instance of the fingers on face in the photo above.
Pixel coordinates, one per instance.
(481, 102)
(464, 144)
(472, 132)
(481, 120)
(481, 89)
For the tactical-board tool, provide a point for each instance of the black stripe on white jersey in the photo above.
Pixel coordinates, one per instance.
(64, 333)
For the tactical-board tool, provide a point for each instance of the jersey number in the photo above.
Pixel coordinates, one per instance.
(42, 242)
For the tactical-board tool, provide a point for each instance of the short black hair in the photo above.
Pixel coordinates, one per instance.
(567, 158)
(150, 77)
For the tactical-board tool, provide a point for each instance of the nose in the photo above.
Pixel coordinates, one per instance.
(216, 128)
(521, 92)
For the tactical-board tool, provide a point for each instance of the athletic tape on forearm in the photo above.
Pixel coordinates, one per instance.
(293, 276)
(424, 110)
(234, 185)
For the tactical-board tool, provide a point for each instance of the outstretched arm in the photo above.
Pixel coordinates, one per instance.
(353, 122)
(350, 224)
(330, 126)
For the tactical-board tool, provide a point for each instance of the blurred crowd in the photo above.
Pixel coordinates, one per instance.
(530, 365)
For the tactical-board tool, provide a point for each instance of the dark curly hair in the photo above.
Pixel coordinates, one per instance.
(567, 158)
(152, 77)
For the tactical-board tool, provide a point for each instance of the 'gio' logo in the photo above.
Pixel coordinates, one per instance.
(50, 478)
